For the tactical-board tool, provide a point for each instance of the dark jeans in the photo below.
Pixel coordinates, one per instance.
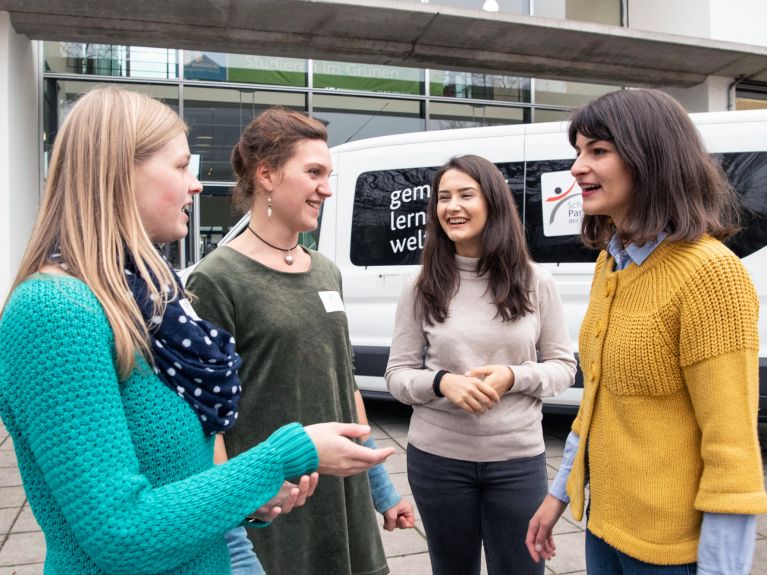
(464, 504)
(604, 559)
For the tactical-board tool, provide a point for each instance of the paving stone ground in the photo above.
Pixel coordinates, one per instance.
(22, 546)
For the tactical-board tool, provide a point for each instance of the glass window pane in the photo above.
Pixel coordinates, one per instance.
(444, 116)
(204, 65)
(353, 118)
(243, 68)
(479, 86)
(570, 94)
(267, 70)
(508, 6)
(367, 77)
(597, 11)
(216, 216)
(60, 95)
(746, 103)
(110, 60)
(543, 115)
(217, 116)
(751, 96)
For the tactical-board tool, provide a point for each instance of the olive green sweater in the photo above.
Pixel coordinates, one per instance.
(296, 366)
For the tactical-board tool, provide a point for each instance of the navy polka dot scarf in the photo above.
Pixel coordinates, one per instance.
(192, 356)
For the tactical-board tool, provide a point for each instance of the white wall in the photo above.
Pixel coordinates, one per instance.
(741, 21)
(685, 17)
(20, 137)
(719, 19)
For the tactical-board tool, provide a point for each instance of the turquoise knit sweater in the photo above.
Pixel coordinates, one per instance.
(119, 474)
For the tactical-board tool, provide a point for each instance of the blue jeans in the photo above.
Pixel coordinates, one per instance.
(244, 560)
(465, 504)
(604, 559)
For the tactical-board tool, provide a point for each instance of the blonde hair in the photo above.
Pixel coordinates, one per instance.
(89, 212)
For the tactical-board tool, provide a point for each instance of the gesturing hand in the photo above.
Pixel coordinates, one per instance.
(338, 454)
(499, 377)
(469, 393)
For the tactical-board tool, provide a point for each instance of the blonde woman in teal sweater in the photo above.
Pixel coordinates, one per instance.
(110, 386)
(666, 432)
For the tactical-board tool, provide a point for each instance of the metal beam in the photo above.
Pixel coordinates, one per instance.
(396, 33)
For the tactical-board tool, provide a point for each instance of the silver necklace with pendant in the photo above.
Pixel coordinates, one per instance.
(288, 252)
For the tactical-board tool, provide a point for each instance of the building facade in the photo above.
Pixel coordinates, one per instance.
(218, 94)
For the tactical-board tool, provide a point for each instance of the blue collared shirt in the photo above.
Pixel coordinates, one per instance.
(727, 540)
(632, 253)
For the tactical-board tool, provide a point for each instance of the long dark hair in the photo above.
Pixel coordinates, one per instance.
(504, 260)
(677, 186)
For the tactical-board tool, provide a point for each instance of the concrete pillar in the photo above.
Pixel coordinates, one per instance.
(709, 96)
(20, 149)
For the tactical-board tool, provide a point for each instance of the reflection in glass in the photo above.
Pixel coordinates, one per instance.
(271, 70)
(244, 68)
(367, 77)
(479, 86)
(445, 116)
(110, 60)
(354, 118)
(216, 118)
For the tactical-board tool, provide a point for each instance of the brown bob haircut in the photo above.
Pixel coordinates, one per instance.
(677, 186)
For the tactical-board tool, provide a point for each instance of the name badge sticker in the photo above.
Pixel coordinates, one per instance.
(332, 301)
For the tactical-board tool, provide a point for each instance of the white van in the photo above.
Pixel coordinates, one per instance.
(373, 225)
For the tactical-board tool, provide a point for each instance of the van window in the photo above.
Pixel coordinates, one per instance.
(389, 214)
(747, 172)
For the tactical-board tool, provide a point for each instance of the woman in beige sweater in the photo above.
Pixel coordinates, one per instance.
(495, 341)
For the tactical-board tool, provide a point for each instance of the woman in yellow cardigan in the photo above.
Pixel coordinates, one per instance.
(666, 433)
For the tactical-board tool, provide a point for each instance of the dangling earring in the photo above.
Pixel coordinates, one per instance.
(269, 206)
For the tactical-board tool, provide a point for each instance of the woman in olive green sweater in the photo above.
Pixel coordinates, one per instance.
(283, 303)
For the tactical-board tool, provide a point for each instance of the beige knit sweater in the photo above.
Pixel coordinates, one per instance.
(537, 347)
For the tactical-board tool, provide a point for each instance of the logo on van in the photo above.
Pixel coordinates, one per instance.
(562, 204)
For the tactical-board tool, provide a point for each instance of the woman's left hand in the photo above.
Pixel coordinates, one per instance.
(499, 377)
(400, 516)
(288, 497)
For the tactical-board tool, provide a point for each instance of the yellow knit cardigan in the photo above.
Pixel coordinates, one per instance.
(669, 352)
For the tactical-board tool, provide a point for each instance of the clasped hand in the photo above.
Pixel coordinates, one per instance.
(289, 496)
(480, 389)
